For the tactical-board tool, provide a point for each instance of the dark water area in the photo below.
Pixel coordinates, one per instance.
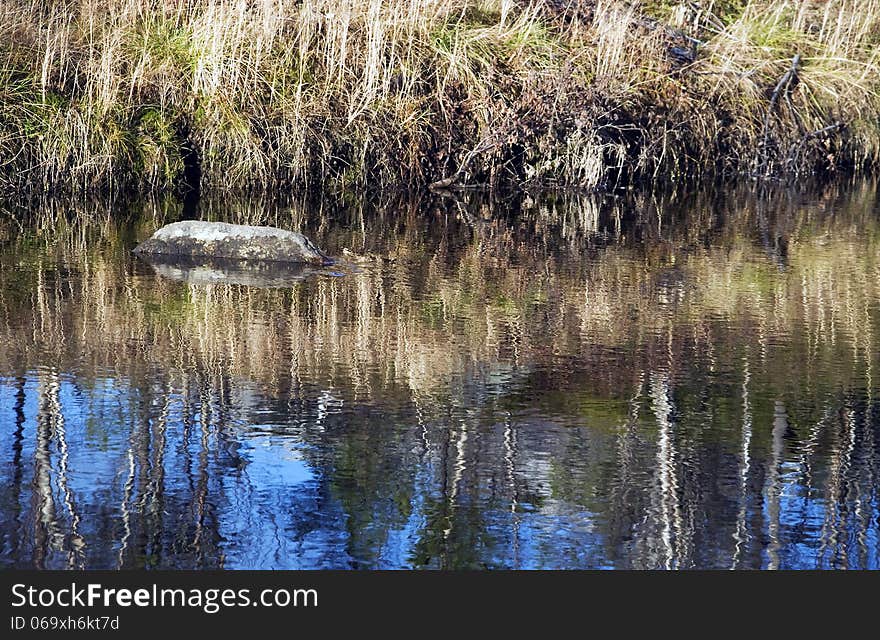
(535, 382)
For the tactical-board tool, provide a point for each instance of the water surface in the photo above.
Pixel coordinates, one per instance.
(536, 382)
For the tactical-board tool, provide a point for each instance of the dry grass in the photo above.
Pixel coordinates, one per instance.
(238, 95)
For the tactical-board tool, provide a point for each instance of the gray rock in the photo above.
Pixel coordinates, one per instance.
(193, 238)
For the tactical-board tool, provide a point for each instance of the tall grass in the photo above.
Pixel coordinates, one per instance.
(267, 94)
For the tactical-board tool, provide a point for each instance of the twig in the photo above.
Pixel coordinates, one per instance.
(822, 131)
(818, 133)
(484, 145)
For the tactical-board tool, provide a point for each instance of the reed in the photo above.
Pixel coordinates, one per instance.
(230, 95)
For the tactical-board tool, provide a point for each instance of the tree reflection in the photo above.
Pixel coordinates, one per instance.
(576, 381)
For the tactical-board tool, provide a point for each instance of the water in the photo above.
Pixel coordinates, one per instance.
(556, 382)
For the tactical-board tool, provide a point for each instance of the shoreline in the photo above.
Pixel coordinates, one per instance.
(229, 97)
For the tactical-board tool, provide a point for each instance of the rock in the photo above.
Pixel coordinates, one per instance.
(193, 238)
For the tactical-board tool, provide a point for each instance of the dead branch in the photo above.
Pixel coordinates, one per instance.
(782, 86)
(818, 133)
(487, 143)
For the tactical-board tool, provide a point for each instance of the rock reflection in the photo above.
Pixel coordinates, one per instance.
(247, 273)
(566, 382)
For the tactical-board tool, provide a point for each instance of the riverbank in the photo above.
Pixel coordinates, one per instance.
(228, 95)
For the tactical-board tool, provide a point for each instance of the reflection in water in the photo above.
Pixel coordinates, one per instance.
(570, 382)
(741, 535)
(218, 271)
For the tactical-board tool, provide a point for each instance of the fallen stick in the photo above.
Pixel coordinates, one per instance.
(818, 133)
(822, 131)
(783, 85)
(484, 145)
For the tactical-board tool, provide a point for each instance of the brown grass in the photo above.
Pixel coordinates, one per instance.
(235, 95)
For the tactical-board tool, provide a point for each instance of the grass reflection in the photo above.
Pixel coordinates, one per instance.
(649, 382)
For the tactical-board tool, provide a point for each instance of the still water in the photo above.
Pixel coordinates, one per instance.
(535, 382)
